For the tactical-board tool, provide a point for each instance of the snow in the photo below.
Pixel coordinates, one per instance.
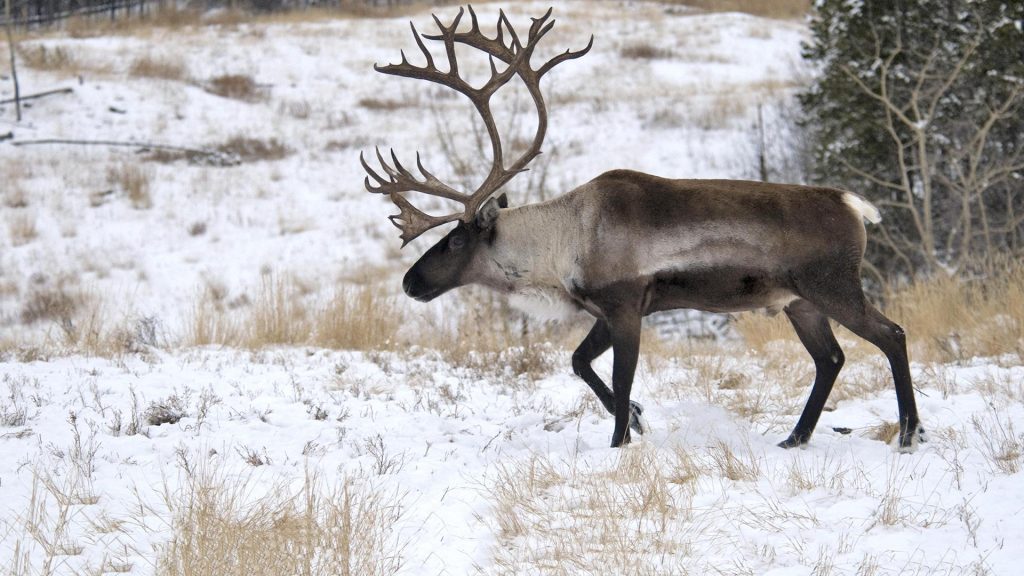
(705, 491)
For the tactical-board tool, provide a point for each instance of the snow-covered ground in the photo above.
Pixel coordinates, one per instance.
(484, 470)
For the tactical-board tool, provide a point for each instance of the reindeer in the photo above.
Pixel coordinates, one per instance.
(628, 244)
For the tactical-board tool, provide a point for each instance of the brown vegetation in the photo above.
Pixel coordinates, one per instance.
(235, 86)
(160, 68)
(779, 9)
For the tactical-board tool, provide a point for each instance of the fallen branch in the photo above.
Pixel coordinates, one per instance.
(199, 155)
(39, 95)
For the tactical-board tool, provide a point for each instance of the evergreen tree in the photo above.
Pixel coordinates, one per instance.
(919, 105)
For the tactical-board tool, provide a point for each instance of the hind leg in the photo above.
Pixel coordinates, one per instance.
(813, 329)
(866, 321)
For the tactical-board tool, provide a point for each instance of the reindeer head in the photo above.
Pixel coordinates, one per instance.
(446, 264)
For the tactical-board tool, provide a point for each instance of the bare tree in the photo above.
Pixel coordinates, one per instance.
(956, 187)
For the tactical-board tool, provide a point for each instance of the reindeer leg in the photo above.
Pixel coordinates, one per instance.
(813, 329)
(597, 342)
(625, 337)
(853, 311)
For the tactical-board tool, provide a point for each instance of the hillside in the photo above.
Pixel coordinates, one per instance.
(208, 366)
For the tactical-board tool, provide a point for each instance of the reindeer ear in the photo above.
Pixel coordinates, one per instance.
(503, 200)
(489, 212)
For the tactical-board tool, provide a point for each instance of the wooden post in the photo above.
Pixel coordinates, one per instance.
(14, 65)
(762, 160)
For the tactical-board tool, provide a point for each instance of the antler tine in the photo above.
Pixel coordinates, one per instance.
(503, 19)
(567, 55)
(537, 23)
(370, 173)
(423, 48)
(412, 221)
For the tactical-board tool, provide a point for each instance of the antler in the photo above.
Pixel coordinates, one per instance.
(396, 179)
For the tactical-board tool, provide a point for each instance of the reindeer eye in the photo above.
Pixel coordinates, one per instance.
(457, 241)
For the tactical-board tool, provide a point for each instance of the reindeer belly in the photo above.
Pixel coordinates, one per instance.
(718, 289)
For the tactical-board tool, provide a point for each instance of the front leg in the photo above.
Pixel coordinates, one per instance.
(596, 343)
(625, 337)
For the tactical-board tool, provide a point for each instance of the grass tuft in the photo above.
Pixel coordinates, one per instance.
(219, 527)
(158, 68)
(235, 86)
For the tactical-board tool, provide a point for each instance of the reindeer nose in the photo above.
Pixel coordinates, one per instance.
(414, 286)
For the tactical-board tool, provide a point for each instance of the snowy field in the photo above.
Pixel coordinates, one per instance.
(174, 399)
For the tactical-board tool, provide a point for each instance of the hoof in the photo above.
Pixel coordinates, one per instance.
(908, 441)
(637, 423)
(794, 441)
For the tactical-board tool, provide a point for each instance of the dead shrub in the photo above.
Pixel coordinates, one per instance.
(235, 86)
(159, 68)
(57, 303)
(169, 410)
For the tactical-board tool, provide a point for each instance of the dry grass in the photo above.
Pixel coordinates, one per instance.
(159, 68)
(280, 311)
(15, 195)
(491, 338)
(779, 9)
(167, 17)
(580, 519)
(277, 314)
(949, 319)
(57, 303)
(219, 527)
(645, 51)
(247, 149)
(133, 181)
(359, 318)
(235, 86)
(21, 227)
(58, 59)
(211, 322)
(386, 104)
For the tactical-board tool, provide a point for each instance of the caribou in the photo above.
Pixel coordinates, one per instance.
(628, 244)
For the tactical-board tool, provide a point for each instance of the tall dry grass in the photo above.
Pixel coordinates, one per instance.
(952, 319)
(281, 311)
(220, 527)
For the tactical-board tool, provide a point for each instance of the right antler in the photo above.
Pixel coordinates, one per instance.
(516, 57)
